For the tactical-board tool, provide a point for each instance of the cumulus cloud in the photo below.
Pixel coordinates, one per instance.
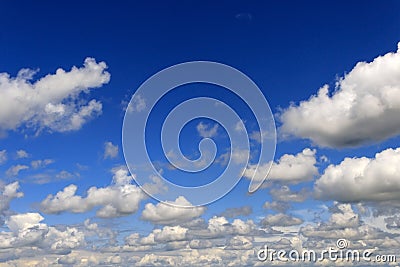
(170, 213)
(121, 175)
(363, 108)
(53, 102)
(110, 150)
(343, 222)
(119, 199)
(114, 201)
(219, 226)
(288, 169)
(27, 230)
(362, 179)
(7, 194)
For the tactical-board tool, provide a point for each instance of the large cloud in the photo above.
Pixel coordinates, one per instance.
(115, 200)
(288, 169)
(362, 179)
(363, 108)
(53, 102)
(27, 230)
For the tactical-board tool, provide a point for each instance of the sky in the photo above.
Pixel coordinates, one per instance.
(330, 71)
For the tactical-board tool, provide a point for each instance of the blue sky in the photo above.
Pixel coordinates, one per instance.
(60, 130)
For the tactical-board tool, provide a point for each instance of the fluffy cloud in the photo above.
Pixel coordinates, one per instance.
(344, 222)
(218, 227)
(7, 194)
(121, 175)
(54, 101)
(288, 169)
(170, 213)
(28, 231)
(170, 233)
(362, 179)
(116, 200)
(110, 150)
(363, 108)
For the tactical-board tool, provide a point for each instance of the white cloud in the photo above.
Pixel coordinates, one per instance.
(65, 175)
(114, 201)
(15, 169)
(21, 154)
(362, 179)
(170, 213)
(23, 221)
(121, 175)
(54, 101)
(7, 194)
(206, 131)
(41, 163)
(170, 233)
(288, 169)
(219, 226)
(28, 231)
(3, 156)
(363, 108)
(119, 199)
(137, 104)
(342, 223)
(110, 150)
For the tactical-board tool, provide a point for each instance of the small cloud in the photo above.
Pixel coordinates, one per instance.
(137, 104)
(82, 167)
(3, 156)
(245, 17)
(206, 131)
(110, 150)
(22, 154)
(64, 175)
(36, 164)
(14, 170)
